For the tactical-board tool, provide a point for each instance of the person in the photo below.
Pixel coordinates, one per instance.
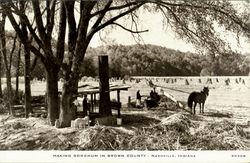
(151, 94)
(154, 98)
(74, 107)
(138, 99)
(150, 83)
(85, 105)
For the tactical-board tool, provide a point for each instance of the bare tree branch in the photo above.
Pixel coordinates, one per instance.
(102, 14)
(129, 30)
(3, 40)
(61, 34)
(33, 64)
(138, 37)
(72, 33)
(12, 50)
(23, 18)
(115, 8)
(218, 9)
(110, 21)
(50, 7)
(188, 29)
(37, 53)
(39, 21)
(81, 46)
(20, 34)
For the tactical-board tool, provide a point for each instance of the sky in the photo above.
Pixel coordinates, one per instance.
(156, 35)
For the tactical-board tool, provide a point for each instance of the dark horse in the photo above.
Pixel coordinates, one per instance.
(198, 97)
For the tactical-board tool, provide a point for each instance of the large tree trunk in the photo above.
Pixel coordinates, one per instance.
(17, 72)
(27, 98)
(10, 93)
(52, 94)
(67, 108)
(104, 107)
(1, 92)
(27, 84)
(6, 63)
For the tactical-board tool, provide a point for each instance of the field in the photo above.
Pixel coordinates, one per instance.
(230, 99)
(223, 126)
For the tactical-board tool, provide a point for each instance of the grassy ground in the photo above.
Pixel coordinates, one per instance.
(161, 128)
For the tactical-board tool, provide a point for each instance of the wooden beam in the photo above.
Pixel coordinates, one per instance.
(92, 103)
(118, 95)
(104, 105)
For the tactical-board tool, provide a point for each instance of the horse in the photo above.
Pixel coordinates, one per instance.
(198, 97)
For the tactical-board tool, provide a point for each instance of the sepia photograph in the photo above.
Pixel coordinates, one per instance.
(125, 81)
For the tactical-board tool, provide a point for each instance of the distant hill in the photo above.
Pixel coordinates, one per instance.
(153, 60)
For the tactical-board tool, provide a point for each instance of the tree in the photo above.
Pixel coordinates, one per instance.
(7, 61)
(88, 68)
(1, 92)
(27, 97)
(18, 72)
(43, 40)
(193, 21)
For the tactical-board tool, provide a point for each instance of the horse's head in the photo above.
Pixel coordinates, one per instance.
(206, 90)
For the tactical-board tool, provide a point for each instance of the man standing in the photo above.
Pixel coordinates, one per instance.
(138, 99)
(85, 105)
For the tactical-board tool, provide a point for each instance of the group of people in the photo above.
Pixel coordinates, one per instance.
(153, 98)
(85, 108)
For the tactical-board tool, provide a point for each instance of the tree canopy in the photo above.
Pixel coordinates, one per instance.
(152, 60)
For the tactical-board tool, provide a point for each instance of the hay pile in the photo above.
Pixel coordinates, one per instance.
(166, 135)
(103, 138)
(176, 132)
(165, 108)
(167, 104)
(179, 122)
(32, 134)
(223, 135)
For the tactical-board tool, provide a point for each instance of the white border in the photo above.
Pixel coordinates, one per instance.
(126, 156)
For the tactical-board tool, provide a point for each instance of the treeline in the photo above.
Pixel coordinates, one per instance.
(15, 56)
(152, 60)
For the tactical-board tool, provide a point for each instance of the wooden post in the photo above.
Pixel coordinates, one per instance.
(118, 100)
(129, 101)
(104, 106)
(118, 95)
(92, 103)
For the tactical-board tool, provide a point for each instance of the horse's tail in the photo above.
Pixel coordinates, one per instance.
(191, 99)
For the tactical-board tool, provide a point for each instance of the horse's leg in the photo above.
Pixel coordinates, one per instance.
(194, 106)
(200, 108)
(203, 107)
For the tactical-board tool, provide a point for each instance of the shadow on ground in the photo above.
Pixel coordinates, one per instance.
(138, 120)
(218, 114)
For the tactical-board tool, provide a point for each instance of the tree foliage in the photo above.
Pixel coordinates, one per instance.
(37, 68)
(152, 60)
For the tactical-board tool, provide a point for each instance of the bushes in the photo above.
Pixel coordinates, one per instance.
(3, 108)
(15, 99)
